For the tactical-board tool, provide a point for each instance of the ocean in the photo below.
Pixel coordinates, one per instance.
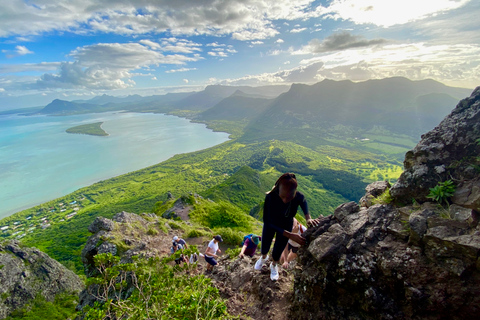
(39, 161)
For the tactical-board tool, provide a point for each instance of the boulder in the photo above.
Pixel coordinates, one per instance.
(27, 272)
(450, 151)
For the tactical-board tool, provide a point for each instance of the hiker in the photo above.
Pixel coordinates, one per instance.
(211, 252)
(250, 246)
(290, 252)
(281, 205)
(177, 244)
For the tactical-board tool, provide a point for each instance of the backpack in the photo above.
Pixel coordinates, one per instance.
(248, 236)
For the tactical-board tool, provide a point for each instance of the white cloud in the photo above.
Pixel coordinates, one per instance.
(274, 52)
(244, 20)
(279, 41)
(455, 65)
(298, 30)
(29, 67)
(19, 51)
(2, 90)
(108, 66)
(151, 44)
(387, 13)
(180, 70)
(185, 80)
(154, 78)
(257, 42)
(215, 44)
(22, 50)
(218, 54)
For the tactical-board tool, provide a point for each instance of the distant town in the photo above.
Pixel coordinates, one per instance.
(40, 220)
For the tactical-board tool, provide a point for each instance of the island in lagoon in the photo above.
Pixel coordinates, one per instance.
(94, 129)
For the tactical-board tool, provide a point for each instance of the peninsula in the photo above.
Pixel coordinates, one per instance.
(94, 129)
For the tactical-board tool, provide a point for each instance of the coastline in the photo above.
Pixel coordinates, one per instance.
(56, 195)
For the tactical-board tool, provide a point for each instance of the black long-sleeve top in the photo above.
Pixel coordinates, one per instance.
(279, 215)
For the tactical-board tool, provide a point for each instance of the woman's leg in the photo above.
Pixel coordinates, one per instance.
(267, 237)
(278, 247)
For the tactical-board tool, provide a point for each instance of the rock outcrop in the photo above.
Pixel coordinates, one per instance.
(388, 261)
(450, 151)
(27, 272)
(125, 235)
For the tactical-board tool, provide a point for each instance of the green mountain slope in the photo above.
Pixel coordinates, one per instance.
(196, 172)
(331, 110)
(245, 188)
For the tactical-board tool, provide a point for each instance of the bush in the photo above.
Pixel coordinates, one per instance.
(63, 307)
(384, 198)
(152, 231)
(442, 191)
(159, 291)
(230, 236)
(194, 233)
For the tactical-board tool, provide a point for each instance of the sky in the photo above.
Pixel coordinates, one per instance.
(78, 49)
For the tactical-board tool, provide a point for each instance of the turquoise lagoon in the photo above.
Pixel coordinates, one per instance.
(39, 161)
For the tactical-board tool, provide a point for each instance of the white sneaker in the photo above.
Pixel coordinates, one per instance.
(260, 262)
(273, 271)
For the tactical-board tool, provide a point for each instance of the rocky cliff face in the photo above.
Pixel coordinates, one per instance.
(388, 261)
(27, 272)
(450, 151)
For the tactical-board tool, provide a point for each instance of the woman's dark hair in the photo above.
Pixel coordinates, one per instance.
(288, 180)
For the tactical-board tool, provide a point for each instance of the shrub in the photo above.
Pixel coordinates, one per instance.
(152, 231)
(194, 233)
(384, 198)
(442, 191)
(159, 291)
(230, 236)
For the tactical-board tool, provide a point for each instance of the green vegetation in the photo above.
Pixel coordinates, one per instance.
(234, 175)
(161, 291)
(39, 309)
(93, 129)
(384, 198)
(225, 219)
(442, 191)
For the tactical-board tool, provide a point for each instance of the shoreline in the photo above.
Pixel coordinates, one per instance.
(19, 210)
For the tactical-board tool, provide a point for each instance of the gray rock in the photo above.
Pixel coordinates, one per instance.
(345, 209)
(467, 194)
(448, 151)
(126, 217)
(27, 272)
(374, 190)
(101, 223)
(418, 224)
(329, 243)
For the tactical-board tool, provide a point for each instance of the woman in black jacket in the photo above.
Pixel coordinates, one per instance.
(281, 205)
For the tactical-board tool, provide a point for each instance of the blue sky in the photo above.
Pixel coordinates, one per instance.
(76, 49)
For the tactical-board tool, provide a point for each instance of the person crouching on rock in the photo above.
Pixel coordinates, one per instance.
(211, 252)
(250, 246)
(281, 205)
(290, 252)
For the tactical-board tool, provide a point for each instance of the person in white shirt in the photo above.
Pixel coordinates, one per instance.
(211, 252)
(290, 252)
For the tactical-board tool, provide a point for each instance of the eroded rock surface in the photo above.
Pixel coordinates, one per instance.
(450, 151)
(27, 272)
